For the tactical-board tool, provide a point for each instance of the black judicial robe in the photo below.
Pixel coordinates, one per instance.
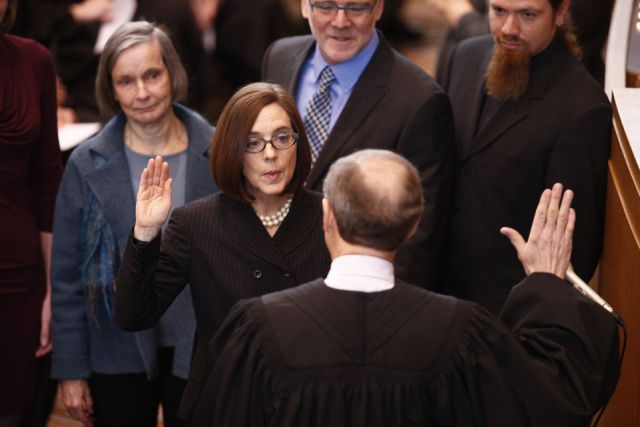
(316, 356)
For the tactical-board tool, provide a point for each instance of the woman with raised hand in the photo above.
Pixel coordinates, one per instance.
(110, 377)
(261, 234)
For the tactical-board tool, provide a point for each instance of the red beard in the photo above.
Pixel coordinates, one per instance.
(507, 76)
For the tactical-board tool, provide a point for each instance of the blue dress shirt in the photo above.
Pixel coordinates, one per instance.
(347, 74)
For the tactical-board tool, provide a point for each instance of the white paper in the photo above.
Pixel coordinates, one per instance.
(122, 11)
(73, 134)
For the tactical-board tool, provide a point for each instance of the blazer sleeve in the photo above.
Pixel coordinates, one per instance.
(152, 275)
(579, 161)
(427, 141)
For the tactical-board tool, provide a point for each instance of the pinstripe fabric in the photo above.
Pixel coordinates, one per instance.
(220, 248)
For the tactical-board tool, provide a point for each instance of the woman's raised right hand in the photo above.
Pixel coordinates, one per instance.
(153, 204)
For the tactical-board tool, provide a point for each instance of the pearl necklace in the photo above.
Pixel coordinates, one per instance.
(276, 219)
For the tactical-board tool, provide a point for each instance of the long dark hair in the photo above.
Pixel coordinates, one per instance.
(568, 30)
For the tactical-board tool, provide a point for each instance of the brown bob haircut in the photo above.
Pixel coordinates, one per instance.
(9, 17)
(233, 129)
(129, 35)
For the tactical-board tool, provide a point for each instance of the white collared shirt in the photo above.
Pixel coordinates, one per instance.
(361, 273)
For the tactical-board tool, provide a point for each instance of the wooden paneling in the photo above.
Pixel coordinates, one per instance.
(620, 266)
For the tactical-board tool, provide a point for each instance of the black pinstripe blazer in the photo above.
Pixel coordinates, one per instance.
(218, 246)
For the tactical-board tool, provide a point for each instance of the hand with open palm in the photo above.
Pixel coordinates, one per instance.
(153, 204)
(550, 241)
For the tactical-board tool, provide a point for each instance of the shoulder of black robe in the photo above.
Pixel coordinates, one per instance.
(316, 356)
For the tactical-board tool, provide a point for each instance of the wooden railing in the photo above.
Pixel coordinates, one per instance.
(620, 265)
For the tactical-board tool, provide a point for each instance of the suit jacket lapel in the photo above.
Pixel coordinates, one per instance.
(512, 112)
(295, 63)
(246, 229)
(301, 221)
(367, 92)
(113, 177)
(508, 115)
(199, 182)
(472, 112)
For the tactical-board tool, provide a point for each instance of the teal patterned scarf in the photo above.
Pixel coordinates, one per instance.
(101, 257)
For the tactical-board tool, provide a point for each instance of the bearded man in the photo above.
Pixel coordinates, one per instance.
(527, 114)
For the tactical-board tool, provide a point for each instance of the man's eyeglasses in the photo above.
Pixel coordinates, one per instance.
(280, 141)
(329, 9)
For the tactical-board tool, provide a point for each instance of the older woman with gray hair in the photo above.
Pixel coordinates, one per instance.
(110, 377)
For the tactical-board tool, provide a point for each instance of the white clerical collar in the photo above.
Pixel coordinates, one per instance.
(361, 273)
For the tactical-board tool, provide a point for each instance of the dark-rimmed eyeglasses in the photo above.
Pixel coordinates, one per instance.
(280, 141)
(329, 9)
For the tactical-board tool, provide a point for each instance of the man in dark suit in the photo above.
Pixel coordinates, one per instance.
(527, 114)
(374, 98)
(362, 348)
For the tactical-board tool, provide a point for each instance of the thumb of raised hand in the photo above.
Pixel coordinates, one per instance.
(515, 238)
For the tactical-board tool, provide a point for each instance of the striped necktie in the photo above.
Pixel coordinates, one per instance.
(319, 113)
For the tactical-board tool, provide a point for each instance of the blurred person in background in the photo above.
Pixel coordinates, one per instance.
(76, 30)
(30, 171)
(234, 35)
(464, 18)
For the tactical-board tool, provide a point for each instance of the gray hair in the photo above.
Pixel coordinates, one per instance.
(126, 36)
(376, 198)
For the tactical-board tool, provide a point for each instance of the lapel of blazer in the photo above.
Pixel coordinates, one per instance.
(511, 113)
(366, 95)
(294, 64)
(507, 116)
(246, 229)
(199, 182)
(475, 88)
(302, 220)
(111, 181)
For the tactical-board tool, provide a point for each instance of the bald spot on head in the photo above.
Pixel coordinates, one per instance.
(376, 198)
(385, 180)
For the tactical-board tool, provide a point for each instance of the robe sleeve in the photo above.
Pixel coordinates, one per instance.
(570, 339)
(235, 384)
(552, 361)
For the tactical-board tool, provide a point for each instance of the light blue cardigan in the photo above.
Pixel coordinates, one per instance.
(97, 182)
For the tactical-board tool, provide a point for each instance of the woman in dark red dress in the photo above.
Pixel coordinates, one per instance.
(30, 170)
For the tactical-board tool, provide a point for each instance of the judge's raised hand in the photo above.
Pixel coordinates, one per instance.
(153, 203)
(548, 249)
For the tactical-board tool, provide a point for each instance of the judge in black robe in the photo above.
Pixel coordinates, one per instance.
(358, 353)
